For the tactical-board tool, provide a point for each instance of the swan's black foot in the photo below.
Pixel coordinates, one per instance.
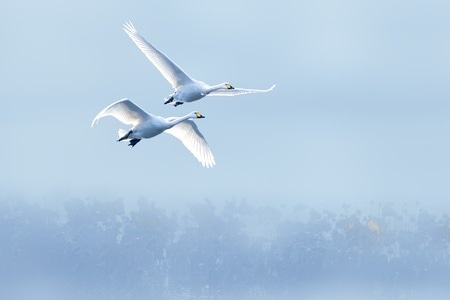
(133, 142)
(178, 103)
(168, 100)
(125, 136)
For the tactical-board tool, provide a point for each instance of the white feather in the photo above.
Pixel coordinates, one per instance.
(146, 126)
(186, 88)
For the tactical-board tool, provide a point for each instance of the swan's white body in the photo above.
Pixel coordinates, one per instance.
(186, 88)
(146, 126)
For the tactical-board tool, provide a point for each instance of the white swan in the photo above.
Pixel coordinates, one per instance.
(146, 126)
(186, 88)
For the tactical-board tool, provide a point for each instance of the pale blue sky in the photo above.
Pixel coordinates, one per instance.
(360, 112)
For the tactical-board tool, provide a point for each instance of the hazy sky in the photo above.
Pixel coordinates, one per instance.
(360, 112)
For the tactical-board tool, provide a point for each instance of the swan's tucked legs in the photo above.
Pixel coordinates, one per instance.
(133, 142)
(168, 99)
(125, 136)
(178, 103)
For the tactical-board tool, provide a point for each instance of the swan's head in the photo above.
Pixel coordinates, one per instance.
(229, 86)
(198, 115)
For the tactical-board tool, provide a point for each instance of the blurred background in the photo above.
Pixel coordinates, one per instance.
(358, 120)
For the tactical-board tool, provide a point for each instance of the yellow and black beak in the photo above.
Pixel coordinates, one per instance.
(199, 115)
(229, 86)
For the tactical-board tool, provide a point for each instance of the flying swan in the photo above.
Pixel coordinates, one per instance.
(187, 89)
(146, 126)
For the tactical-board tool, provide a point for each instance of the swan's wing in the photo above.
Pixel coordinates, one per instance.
(187, 132)
(238, 91)
(173, 73)
(125, 111)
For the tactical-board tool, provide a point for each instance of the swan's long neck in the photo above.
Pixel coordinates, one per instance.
(176, 121)
(216, 87)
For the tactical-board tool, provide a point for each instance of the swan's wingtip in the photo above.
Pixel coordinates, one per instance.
(208, 163)
(128, 26)
(95, 121)
(272, 87)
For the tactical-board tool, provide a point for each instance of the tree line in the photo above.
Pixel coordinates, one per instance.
(205, 249)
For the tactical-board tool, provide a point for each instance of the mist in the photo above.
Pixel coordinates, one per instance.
(98, 249)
